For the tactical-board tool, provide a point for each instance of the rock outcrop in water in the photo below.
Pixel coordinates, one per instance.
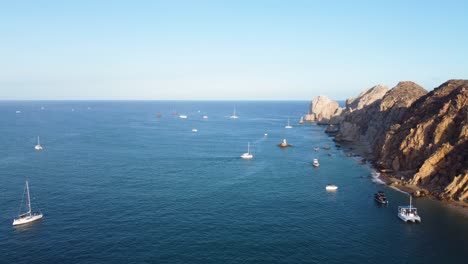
(322, 109)
(420, 136)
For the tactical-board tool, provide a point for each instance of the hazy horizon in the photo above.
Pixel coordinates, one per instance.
(242, 50)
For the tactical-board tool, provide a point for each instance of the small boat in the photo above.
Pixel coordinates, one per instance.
(331, 187)
(38, 146)
(247, 155)
(301, 121)
(288, 125)
(205, 117)
(315, 163)
(18, 111)
(183, 116)
(409, 213)
(194, 130)
(327, 147)
(380, 197)
(27, 217)
(316, 149)
(266, 134)
(234, 116)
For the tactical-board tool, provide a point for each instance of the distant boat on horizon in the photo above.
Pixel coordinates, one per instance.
(234, 116)
(28, 216)
(183, 116)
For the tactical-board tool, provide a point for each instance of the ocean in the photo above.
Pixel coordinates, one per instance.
(117, 184)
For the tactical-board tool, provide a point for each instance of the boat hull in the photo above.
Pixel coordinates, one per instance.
(26, 220)
(247, 156)
(413, 219)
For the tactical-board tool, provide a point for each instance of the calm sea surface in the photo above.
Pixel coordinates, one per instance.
(118, 185)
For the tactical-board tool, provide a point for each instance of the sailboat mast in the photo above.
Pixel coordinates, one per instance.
(248, 147)
(410, 200)
(29, 198)
(38, 142)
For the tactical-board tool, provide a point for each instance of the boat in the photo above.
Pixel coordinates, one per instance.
(247, 155)
(183, 116)
(316, 149)
(38, 146)
(27, 217)
(315, 163)
(301, 121)
(18, 111)
(194, 130)
(327, 147)
(331, 187)
(234, 116)
(205, 117)
(288, 126)
(284, 144)
(409, 213)
(380, 197)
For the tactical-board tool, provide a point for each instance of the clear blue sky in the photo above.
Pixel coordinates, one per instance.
(226, 49)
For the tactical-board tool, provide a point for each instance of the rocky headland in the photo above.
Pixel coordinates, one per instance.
(418, 139)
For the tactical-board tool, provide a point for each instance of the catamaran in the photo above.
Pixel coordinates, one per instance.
(408, 213)
(38, 146)
(27, 217)
(247, 155)
(234, 116)
(288, 126)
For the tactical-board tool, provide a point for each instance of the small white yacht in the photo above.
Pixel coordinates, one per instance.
(288, 125)
(205, 117)
(27, 217)
(315, 163)
(247, 155)
(331, 187)
(234, 116)
(38, 146)
(409, 213)
(194, 130)
(183, 116)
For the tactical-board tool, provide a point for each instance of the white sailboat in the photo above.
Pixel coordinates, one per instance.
(301, 121)
(234, 116)
(289, 125)
(247, 155)
(409, 213)
(27, 217)
(38, 146)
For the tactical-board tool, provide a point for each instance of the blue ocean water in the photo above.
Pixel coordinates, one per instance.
(116, 184)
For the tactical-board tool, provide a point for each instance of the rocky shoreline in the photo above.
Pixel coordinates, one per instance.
(417, 140)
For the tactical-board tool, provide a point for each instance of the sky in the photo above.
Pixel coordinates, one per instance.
(226, 50)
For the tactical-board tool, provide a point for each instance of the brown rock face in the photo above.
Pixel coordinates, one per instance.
(373, 112)
(430, 143)
(322, 109)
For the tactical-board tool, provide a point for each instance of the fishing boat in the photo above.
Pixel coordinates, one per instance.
(380, 197)
(301, 121)
(234, 116)
(247, 155)
(288, 125)
(28, 216)
(331, 187)
(409, 213)
(315, 163)
(38, 146)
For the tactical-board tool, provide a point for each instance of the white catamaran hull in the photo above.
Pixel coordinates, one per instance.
(410, 218)
(27, 219)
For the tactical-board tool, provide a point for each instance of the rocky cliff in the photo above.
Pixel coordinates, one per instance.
(429, 145)
(420, 136)
(322, 109)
